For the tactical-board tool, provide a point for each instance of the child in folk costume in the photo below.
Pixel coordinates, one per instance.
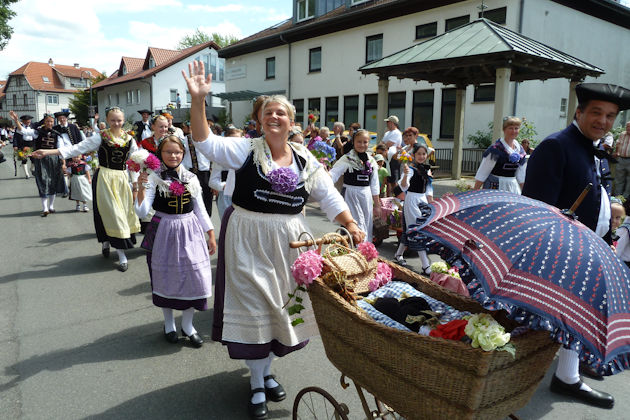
(179, 255)
(416, 183)
(360, 182)
(623, 233)
(80, 183)
(48, 171)
(115, 220)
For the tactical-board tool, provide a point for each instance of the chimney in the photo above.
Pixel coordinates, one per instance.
(50, 62)
(76, 65)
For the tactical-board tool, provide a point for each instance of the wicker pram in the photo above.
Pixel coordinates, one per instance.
(423, 377)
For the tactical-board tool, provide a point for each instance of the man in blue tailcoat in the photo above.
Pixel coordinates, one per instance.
(557, 172)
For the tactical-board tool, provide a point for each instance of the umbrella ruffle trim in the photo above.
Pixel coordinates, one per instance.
(533, 321)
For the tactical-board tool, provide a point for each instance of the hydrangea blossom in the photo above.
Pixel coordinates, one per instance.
(368, 250)
(177, 188)
(485, 332)
(283, 180)
(307, 267)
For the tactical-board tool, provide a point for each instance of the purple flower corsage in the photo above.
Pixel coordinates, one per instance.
(367, 170)
(514, 157)
(283, 180)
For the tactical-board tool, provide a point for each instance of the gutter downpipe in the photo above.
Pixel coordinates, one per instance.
(520, 31)
(283, 39)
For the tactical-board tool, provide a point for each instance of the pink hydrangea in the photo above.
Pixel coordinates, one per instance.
(374, 284)
(177, 188)
(368, 250)
(383, 273)
(307, 267)
(152, 162)
(133, 166)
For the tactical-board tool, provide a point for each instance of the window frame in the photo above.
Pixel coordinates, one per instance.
(446, 22)
(418, 104)
(350, 107)
(306, 16)
(52, 99)
(497, 10)
(329, 100)
(450, 103)
(311, 51)
(270, 61)
(368, 39)
(484, 97)
(298, 104)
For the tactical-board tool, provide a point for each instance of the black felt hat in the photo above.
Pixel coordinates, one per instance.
(142, 111)
(59, 114)
(26, 117)
(603, 92)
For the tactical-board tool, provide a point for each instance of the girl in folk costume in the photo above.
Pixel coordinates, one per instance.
(159, 127)
(114, 217)
(24, 140)
(416, 183)
(80, 183)
(48, 172)
(360, 181)
(504, 163)
(178, 257)
(274, 179)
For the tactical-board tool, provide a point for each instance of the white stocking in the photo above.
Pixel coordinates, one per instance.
(257, 368)
(187, 321)
(269, 383)
(44, 203)
(401, 250)
(169, 320)
(51, 201)
(122, 258)
(568, 370)
(424, 259)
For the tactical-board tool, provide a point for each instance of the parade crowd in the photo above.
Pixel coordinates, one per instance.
(161, 181)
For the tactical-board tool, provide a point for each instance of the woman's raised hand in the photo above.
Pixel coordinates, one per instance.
(13, 115)
(198, 84)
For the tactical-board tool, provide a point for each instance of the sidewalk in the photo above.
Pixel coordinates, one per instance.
(442, 186)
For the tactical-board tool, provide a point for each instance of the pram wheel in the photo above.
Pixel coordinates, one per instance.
(315, 403)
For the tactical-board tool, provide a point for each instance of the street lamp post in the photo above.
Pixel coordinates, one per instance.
(91, 109)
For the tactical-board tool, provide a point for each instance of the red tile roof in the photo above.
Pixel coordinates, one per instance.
(163, 59)
(35, 72)
(132, 64)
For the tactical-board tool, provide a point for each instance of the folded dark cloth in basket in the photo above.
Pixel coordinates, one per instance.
(399, 290)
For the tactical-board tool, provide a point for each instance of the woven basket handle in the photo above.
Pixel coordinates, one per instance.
(326, 239)
(362, 261)
(304, 243)
(343, 230)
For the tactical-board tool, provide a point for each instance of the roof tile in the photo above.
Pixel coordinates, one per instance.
(35, 72)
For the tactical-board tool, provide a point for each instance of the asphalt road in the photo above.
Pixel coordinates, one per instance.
(81, 340)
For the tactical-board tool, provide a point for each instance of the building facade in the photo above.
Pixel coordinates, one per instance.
(43, 88)
(313, 58)
(155, 81)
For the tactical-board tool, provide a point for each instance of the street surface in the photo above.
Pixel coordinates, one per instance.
(81, 340)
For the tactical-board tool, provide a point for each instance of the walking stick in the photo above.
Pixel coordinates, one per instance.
(571, 212)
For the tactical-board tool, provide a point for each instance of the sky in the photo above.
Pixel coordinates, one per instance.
(97, 33)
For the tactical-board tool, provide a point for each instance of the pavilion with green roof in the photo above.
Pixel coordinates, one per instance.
(478, 53)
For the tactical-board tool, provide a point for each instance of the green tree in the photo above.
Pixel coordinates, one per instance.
(482, 139)
(5, 16)
(200, 37)
(81, 101)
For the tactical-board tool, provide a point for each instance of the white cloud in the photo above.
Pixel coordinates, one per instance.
(130, 6)
(216, 9)
(223, 28)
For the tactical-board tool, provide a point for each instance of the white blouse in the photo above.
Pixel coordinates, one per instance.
(487, 164)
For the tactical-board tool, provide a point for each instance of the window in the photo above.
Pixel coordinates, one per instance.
(52, 99)
(124, 69)
(137, 96)
(369, 112)
(350, 109)
(213, 65)
(129, 97)
(221, 70)
(315, 59)
(118, 99)
(332, 111)
(305, 9)
(314, 105)
(14, 99)
(25, 99)
(45, 79)
(188, 97)
(373, 48)
(496, 15)
(19, 81)
(563, 107)
(109, 99)
(484, 93)
(270, 66)
(426, 30)
(299, 110)
(151, 62)
(173, 95)
(396, 106)
(353, 2)
(422, 114)
(456, 22)
(447, 116)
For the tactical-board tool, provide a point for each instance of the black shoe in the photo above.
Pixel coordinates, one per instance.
(105, 252)
(589, 372)
(593, 397)
(276, 393)
(195, 339)
(44, 214)
(171, 337)
(123, 267)
(257, 411)
(52, 211)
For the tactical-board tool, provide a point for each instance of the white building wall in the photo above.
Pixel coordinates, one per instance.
(344, 52)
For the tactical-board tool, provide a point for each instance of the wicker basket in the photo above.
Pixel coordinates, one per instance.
(423, 377)
(358, 270)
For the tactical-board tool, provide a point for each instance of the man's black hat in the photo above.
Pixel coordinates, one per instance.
(603, 92)
(142, 111)
(26, 117)
(59, 114)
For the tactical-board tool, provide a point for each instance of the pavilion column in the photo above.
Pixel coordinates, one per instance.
(501, 100)
(460, 101)
(381, 106)
(572, 103)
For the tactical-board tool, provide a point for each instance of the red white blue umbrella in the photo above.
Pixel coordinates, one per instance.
(546, 270)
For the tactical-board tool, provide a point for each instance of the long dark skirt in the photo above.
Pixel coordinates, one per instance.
(239, 350)
(49, 176)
